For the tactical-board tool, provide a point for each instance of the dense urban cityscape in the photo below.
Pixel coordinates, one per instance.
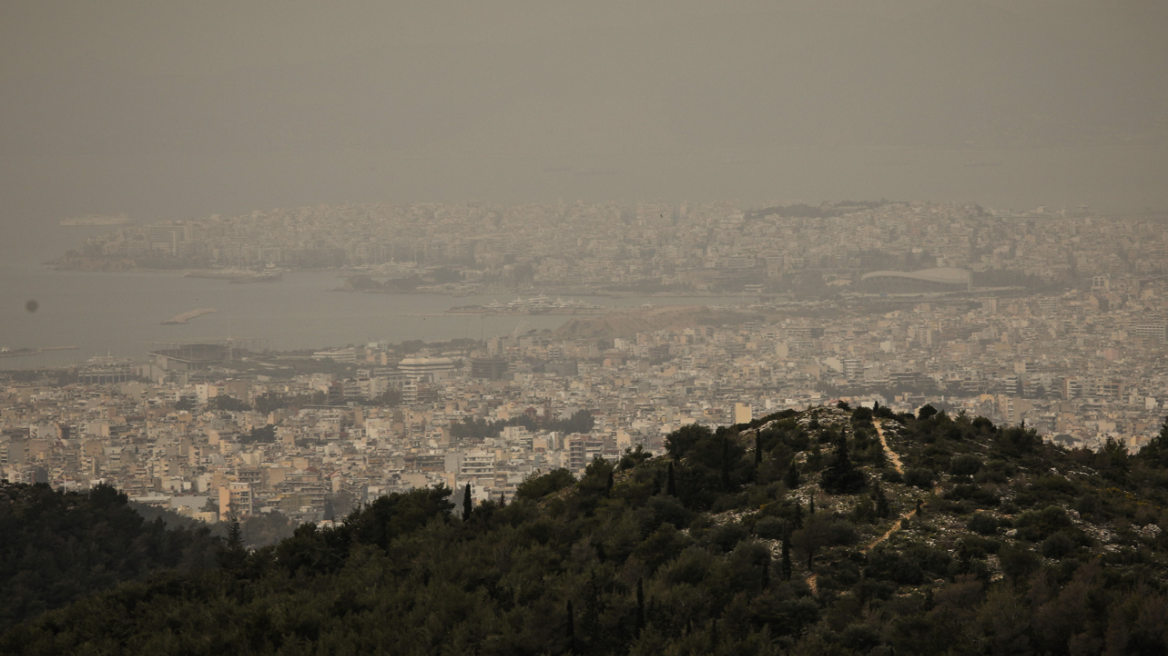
(1055, 319)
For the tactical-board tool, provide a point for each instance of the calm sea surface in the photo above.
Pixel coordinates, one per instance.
(121, 313)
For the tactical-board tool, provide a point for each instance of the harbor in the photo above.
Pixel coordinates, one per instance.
(535, 305)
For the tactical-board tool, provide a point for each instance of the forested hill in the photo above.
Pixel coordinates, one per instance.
(828, 531)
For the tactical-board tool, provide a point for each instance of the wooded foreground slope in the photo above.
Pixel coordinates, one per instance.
(799, 533)
(58, 547)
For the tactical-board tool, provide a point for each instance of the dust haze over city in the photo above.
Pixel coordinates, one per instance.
(271, 261)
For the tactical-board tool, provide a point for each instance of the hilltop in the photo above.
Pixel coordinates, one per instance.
(826, 531)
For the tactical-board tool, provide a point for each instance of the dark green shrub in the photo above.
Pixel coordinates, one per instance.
(727, 536)
(1089, 504)
(661, 509)
(540, 486)
(1038, 525)
(860, 638)
(1018, 562)
(887, 565)
(980, 496)
(983, 524)
(977, 547)
(770, 528)
(919, 477)
(1056, 484)
(964, 465)
(1058, 545)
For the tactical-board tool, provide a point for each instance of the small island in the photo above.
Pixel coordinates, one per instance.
(187, 316)
(98, 220)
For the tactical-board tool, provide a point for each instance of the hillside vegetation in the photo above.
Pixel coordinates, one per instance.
(828, 531)
(58, 547)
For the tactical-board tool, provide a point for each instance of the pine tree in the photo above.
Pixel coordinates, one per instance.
(234, 533)
(1155, 452)
(232, 555)
(466, 503)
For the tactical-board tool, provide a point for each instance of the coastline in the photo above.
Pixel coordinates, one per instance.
(77, 263)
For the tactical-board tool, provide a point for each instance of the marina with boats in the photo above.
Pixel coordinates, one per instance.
(6, 352)
(238, 276)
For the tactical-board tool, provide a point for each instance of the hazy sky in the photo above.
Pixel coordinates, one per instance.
(166, 110)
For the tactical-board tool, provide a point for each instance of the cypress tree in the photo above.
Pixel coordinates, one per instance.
(502, 499)
(754, 473)
(571, 627)
(608, 484)
(640, 605)
(883, 509)
(811, 506)
(786, 564)
(841, 476)
(466, 503)
(798, 520)
(725, 463)
(671, 484)
(791, 480)
(766, 571)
